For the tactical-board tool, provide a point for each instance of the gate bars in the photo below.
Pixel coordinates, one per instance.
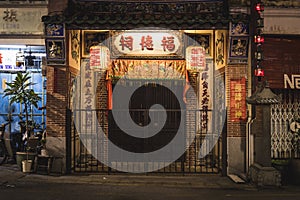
(81, 160)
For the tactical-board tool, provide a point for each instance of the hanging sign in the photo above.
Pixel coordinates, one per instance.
(99, 57)
(195, 58)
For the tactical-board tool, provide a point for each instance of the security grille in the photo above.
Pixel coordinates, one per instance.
(285, 141)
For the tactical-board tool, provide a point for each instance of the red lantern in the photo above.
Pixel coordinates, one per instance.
(259, 7)
(259, 39)
(195, 58)
(99, 57)
(259, 72)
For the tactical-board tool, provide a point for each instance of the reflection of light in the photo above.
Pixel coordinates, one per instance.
(38, 54)
(24, 48)
(12, 46)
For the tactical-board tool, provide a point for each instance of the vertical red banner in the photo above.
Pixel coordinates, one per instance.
(238, 109)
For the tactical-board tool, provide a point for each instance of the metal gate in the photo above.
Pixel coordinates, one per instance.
(285, 139)
(203, 123)
(83, 161)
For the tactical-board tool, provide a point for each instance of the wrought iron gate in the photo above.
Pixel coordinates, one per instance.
(189, 162)
(207, 130)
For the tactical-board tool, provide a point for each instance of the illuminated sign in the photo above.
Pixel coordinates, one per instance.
(11, 60)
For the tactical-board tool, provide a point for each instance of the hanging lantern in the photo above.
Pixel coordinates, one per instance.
(99, 57)
(195, 58)
(259, 7)
(259, 39)
(259, 72)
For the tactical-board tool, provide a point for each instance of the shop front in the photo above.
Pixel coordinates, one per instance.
(283, 77)
(22, 49)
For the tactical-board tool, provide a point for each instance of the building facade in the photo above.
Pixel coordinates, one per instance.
(223, 30)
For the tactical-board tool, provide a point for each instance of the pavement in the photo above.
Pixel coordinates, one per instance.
(10, 175)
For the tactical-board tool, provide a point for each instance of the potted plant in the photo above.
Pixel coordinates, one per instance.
(20, 92)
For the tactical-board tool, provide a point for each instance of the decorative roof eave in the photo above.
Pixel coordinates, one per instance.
(122, 15)
(239, 17)
(87, 22)
(263, 95)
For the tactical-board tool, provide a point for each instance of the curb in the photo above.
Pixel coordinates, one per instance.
(178, 181)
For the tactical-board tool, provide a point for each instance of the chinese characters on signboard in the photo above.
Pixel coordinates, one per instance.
(87, 95)
(195, 58)
(22, 20)
(239, 43)
(205, 95)
(130, 44)
(55, 44)
(238, 99)
(99, 57)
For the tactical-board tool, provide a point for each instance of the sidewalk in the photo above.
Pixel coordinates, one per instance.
(10, 174)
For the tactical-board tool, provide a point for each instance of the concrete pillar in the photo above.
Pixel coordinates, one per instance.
(261, 172)
(262, 140)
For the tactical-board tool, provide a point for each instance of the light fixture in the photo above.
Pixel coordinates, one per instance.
(99, 57)
(259, 7)
(259, 72)
(258, 39)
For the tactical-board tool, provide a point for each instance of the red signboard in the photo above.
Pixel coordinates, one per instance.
(238, 100)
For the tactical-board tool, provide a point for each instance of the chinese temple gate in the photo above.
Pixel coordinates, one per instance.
(178, 44)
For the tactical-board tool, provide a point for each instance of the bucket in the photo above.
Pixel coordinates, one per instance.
(26, 165)
(44, 152)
